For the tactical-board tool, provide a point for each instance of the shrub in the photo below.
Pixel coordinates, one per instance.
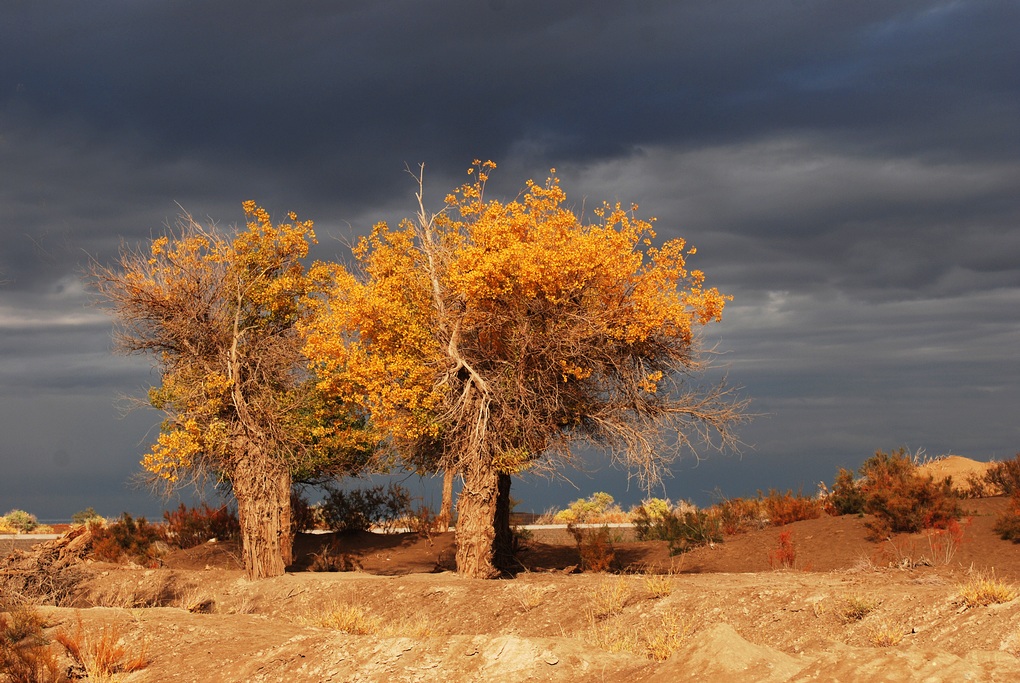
(739, 515)
(332, 558)
(189, 527)
(1005, 475)
(25, 655)
(784, 554)
(99, 652)
(21, 521)
(846, 498)
(595, 547)
(786, 508)
(126, 538)
(943, 543)
(86, 516)
(1008, 523)
(651, 520)
(599, 508)
(304, 517)
(361, 509)
(901, 499)
(683, 528)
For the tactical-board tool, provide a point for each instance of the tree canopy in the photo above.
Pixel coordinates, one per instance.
(217, 312)
(493, 336)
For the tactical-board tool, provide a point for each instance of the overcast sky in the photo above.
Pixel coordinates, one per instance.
(849, 172)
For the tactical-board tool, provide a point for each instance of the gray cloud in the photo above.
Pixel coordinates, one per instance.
(847, 171)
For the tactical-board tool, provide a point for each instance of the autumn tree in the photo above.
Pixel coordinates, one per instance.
(217, 313)
(506, 333)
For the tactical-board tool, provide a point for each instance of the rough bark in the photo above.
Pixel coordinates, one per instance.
(446, 510)
(284, 485)
(503, 545)
(476, 510)
(257, 487)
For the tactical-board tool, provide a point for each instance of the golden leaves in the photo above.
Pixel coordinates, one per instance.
(217, 310)
(523, 292)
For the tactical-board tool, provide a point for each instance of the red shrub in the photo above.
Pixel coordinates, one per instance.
(783, 556)
(902, 500)
(188, 527)
(786, 508)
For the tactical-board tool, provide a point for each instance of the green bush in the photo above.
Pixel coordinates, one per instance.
(85, 516)
(682, 529)
(361, 509)
(846, 498)
(21, 521)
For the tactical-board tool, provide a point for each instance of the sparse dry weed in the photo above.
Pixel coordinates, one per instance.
(982, 591)
(656, 639)
(661, 585)
(610, 636)
(607, 598)
(356, 619)
(101, 652)
(528, 597)
(660, 642)
(25, 655)
(853, 607)
(346, 617)
(885, 634)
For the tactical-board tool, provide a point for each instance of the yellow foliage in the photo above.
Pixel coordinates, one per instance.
(218, 312)
(520, 291)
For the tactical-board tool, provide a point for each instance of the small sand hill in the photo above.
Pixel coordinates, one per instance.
(961, 469)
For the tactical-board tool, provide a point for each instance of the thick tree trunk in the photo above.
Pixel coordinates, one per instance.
(284, 485)
(503, 545)
(476, 510)
(261, 499)
(446, 510)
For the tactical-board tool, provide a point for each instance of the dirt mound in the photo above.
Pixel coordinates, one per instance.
(962, 470)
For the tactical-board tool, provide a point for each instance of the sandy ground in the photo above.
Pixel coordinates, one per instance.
(730, 615)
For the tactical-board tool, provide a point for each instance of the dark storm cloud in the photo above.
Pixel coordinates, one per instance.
(848, 171)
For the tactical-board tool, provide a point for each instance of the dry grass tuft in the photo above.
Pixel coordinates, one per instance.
(671, 633)
(347, 618)
(885, 634)
(853, 607)
(607, 598)
(528, 597)
(983, 591)
(659, 585)
(655, 639)
(25, 655)
(357, 620)
(100, 652)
